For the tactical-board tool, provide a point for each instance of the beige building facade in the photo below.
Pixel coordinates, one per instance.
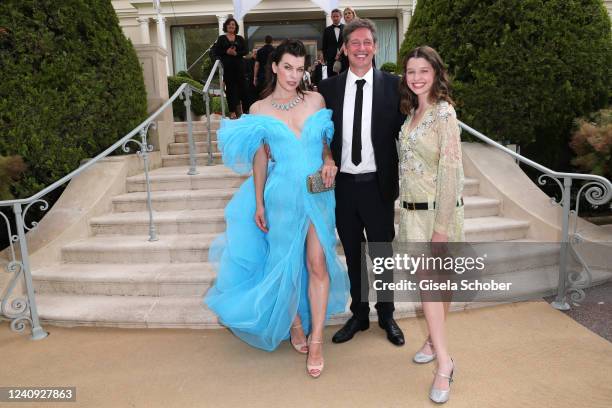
(186, 28)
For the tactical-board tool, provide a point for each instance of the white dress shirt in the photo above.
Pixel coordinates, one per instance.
(337, 32)
(368, 164)
(323, 71)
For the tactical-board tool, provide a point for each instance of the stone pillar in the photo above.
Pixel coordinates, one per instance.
(161, 31)
(406, 16)
(153, 61)
(242, 31)
(145, 38)
(221, 18)
(328, 20)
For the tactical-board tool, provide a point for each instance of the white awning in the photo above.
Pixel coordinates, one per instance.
(242, 7)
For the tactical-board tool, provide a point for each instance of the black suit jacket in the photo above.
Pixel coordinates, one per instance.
(386, 123)
(330, 44)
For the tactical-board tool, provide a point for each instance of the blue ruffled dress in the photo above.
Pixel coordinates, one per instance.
(262, 279)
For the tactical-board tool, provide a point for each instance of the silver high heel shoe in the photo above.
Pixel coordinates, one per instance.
(422, 358)
(441, 396)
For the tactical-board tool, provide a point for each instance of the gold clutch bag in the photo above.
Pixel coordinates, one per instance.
(315, 184)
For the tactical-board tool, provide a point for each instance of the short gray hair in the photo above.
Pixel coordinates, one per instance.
(356, 24)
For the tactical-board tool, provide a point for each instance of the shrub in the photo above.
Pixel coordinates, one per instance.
(521, 70)
(390, 67)
(178, 106)
(592, 143)
(11, 169)
(71, 85)
(215, 104)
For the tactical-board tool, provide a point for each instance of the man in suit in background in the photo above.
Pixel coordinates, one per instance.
(332, 41)
(367, 121)
(259, 78)
(320, 70)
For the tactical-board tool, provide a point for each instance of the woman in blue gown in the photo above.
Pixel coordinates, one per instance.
(278, 274)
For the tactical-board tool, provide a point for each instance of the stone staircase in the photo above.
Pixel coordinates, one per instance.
(116, 277)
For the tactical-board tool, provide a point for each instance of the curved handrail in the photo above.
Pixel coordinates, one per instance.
(531, 163)
(105, 153)
(598, 191)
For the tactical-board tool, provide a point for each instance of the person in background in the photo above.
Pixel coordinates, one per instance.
(349, 15)
(319, 70)
(231, 47)
(259, 77)
(332, 41)
(249, 74)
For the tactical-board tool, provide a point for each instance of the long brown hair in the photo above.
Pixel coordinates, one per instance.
(440, 89)
(288, 46)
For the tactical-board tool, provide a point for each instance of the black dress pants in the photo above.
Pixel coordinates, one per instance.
(359, 207)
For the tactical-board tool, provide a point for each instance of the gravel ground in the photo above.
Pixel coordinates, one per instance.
(595, 312)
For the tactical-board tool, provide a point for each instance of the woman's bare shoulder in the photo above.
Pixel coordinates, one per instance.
(315, 99)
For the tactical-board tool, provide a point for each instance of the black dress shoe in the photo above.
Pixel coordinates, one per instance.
(394, 333)
(352, 326)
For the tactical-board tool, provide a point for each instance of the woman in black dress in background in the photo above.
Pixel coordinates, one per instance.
(230, 48)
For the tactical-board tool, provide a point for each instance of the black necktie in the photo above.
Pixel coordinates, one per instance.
(356, 149)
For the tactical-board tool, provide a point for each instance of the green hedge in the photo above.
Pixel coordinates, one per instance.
(390, 67)
(71, 85)
(521, 70)
(178, 106)
(11, 169)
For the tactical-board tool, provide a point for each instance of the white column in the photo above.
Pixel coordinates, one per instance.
(221, 18)
(161, 36)
(145, 38)
(242, 29)
(161, 31)
(328, 20)
(406, 16)
(414, 2)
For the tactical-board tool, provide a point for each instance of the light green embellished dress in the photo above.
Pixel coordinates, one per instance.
(431, 171)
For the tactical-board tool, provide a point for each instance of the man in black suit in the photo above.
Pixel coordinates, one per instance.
(261, 60)
(332, 41)
(367, 121)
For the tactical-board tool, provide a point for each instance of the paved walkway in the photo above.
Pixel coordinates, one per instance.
(517, 355)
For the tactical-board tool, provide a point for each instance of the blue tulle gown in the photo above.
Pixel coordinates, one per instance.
(262, 280)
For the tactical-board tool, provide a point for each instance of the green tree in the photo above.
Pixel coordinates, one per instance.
(71, 85)
(521, 70)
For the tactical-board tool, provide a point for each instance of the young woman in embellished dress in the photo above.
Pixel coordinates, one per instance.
(431, 185)
(279, 276)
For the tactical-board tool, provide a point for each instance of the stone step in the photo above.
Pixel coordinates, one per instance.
(166, 222)
(199, 125)
(190, 312)
(183, 159)
(176, 178)
(471, 187)
(198, 136)
(219, 176)
(164, 312)
(193, 247)
(125, 311)
(482, 229)
(183, 148)
(163, 279)
(191, 279)
(137, 249)
(174, 200)
(198, 221)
